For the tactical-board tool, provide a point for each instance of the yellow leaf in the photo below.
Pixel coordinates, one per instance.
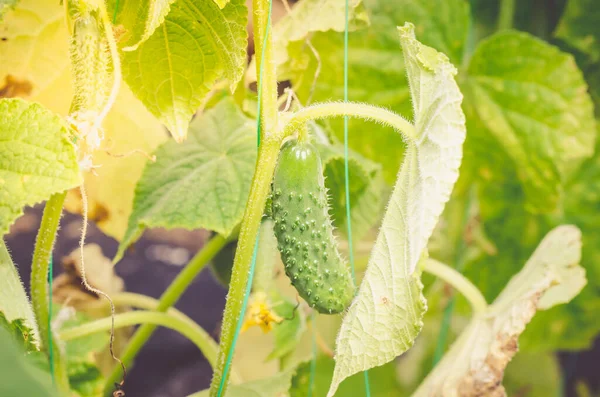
(36, 52)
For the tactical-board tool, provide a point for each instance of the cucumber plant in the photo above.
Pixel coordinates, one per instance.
(91, 85)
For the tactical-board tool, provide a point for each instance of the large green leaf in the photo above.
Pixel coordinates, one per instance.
(574, 326)
(137, 20)
(476, 362)
(528, 100)
(37, 157)
(386, 316)
(202, 184)
(579, 26)
(174, 70)
(376, 73)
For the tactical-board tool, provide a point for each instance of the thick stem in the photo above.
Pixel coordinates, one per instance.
(168, 299)
(507, 11)
(39, 286)
(458, 281)
(267, 159)
(265, 66)
(361, 110)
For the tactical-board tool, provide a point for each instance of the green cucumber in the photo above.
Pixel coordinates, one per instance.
(304, 230)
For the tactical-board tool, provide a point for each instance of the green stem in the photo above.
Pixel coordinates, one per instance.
(139, 301)
(267, 159)
(180, 323)
(351, 109)
(168, 299)
(459, 282)
(507, 11)
(39, 286)
(267, 80)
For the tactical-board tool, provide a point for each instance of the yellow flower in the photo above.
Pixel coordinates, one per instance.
(260, 313)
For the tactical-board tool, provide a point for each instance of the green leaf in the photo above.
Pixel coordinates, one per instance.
(85, 377)
(376, 73)
(382, 381)
(14, 303)
(19, 376)
(309, 16)
(537, 373)
(214, 168)
(475, 363)
(366, 189)
(528, 99)
(579, 26)
(197, 45)
(139, 19)
(288, 332)
(20, 333)
(386, 316)
(38, 161)
(274, 386)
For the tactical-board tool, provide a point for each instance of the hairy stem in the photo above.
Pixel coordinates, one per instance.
(507, 11)
(39, 286)
(351, 109)
(458, 281)
(168, 299)
(265, 66)
(267, 159)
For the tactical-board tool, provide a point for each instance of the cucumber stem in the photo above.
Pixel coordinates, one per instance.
(458, 281)
(261, 182)
(351, 109)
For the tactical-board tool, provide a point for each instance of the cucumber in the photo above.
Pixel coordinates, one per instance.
(304, 230)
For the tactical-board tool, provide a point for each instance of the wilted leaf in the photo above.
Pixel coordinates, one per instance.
(215, 167)
(68, 288)
(174, 70)
(387, 314)
(35, 42)
(38, 158)
(475, 364)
